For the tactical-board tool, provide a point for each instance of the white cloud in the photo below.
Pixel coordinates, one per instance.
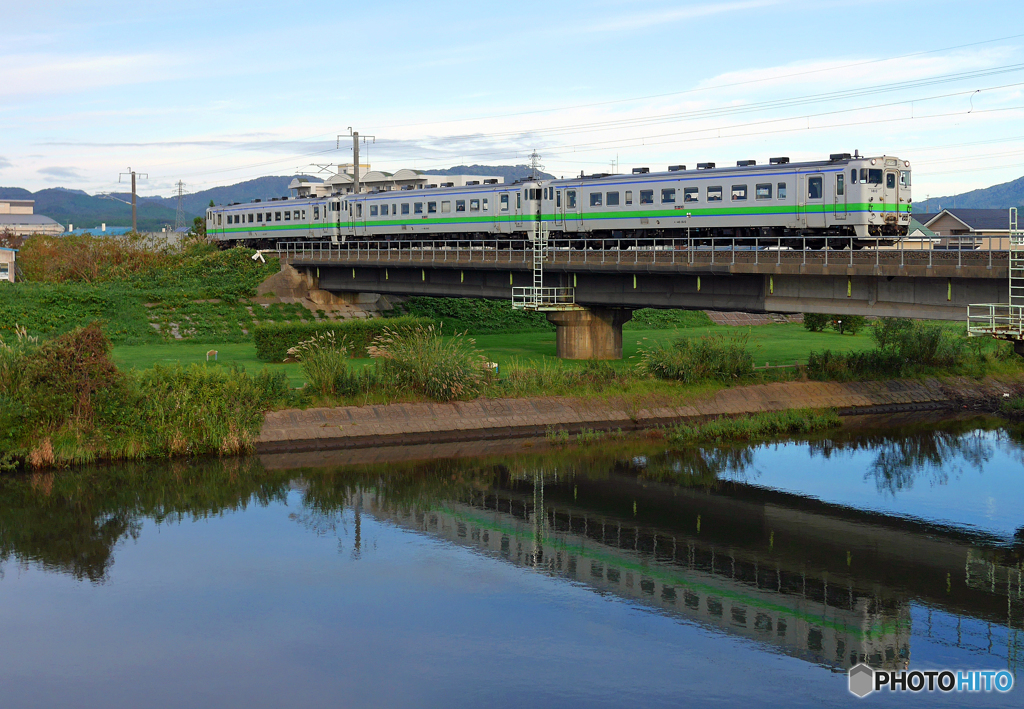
(55, 173)
(24, 74)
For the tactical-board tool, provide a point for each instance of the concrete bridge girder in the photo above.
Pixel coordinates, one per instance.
(844, 291)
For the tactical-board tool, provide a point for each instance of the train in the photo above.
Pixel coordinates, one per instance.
(867, 200)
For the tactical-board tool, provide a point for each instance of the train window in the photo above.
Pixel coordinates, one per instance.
(668, 196)
(905, 178)
(446, 207)
(474, 205)
(558, 198)
(359, 209)
(840, 186)
(287, 216)
(251, 217)
(646, 196)
(715, 193)
(863, 175)
(405, 207)
(383, 210)
(763, 191)
(296, 215)
(814, 188)
(277, 216)
(316, 213)
(519, 200)
(238, 218)
(595, 199)
(373, 210)
(218, 220)
(874, 177)
(853, 176)
(629, 196)
(303, 214)
(612, 199)
(570, 199)
(739, 193)
(782, 190)
(486, 204)
(691, 194)
(534, 194)
(890, 180)
(417, 208)
(460, 205)
(504, 202)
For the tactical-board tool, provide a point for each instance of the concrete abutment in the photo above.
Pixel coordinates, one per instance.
(589, 333)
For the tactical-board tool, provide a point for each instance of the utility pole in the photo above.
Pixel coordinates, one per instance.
(179, 217)
(355, 155)
(144, 176)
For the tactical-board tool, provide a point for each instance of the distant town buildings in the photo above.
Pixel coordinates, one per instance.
(7, 258)
(969, 228)
(17, 219)
(376, 181)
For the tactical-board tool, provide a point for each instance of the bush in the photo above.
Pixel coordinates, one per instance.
(852, 324)
(275, 339)
(903, 347)
(475, 316)
(324, 359)
(655, 319)
(690, 360)
(421, 359)
(816, 322)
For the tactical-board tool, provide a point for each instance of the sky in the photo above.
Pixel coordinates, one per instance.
(211, 93)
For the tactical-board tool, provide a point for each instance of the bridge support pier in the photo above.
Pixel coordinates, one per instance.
(590, 333)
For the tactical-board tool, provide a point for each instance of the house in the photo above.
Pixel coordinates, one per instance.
(17, 218)
(7, 258)
(971, 228)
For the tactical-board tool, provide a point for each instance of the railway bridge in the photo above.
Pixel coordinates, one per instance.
(591, 289)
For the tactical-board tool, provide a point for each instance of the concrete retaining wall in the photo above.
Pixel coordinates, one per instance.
(487, 419)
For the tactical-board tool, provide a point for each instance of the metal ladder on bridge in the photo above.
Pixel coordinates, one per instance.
(1004, 321)
(1016, 264)
(537, 296)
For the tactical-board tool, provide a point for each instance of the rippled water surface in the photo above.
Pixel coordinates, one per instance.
(617, 573)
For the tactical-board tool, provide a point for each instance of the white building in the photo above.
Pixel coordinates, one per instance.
(380, 181)
(7, 258)
(17, 219)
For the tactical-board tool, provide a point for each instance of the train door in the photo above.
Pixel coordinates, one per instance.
(890, 192)
(520, 197)
(839, 196)
(558, 209)
(358, 217)
(814, 200)
(572, 210)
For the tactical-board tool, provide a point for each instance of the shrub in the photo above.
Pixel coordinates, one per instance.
(273, 340)
(816, 322)
(690, 360)
(421, 359)
(324, 359)
(764, 425)
(656, 319)
(475, 316)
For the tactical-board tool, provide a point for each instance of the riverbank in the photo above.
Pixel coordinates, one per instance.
(495, 419)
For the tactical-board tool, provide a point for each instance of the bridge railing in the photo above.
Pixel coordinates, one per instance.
(547, 298)
(719, 251)
(996, 319)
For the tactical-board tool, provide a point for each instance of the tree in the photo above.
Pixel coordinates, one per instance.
(211, 203)
(198, 227)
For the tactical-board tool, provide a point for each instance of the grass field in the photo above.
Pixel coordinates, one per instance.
(774, 344)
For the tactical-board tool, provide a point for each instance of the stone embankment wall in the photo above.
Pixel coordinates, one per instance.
(489, 419)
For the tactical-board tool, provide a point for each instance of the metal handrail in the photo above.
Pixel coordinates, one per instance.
(724, 251)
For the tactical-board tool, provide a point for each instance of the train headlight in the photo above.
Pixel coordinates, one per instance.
(873, 162)
(906, 163)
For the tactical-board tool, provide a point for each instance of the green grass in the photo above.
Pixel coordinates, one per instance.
(777, 344)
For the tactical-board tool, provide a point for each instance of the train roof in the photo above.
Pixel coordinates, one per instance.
(783, 165)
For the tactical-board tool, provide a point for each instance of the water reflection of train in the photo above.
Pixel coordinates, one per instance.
(831, 585)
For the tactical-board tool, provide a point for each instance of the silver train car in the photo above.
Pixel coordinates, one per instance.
(865, 199)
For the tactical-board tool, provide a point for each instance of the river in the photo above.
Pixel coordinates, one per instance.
(611, 572)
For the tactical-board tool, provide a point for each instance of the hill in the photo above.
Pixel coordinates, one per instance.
(1004, 196)
(261, 188)
(511, 173)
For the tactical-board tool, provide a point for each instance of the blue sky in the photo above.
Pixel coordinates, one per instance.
(215, 93)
